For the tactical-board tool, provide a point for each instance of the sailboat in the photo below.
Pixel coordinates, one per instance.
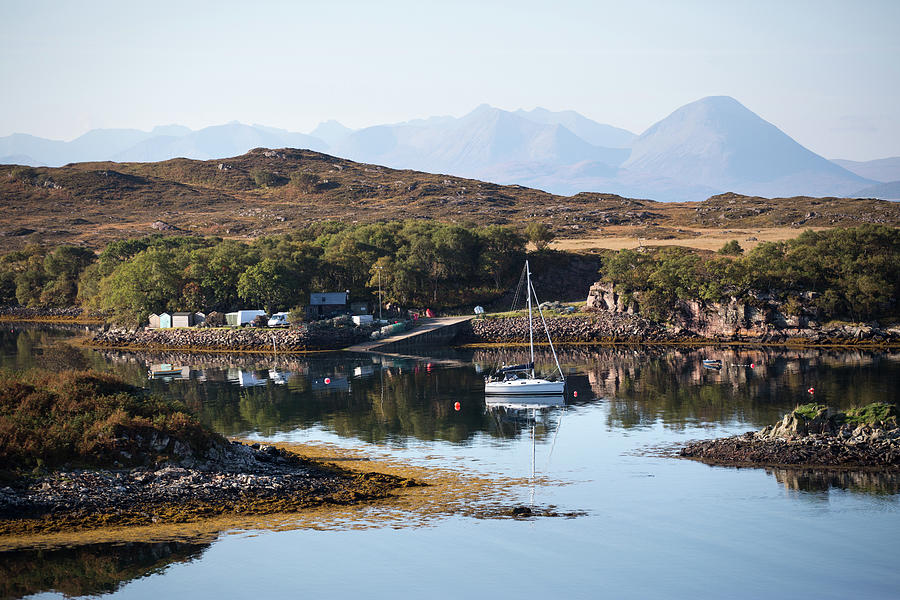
(521, 380)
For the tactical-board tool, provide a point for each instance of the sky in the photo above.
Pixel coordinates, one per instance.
(825, 72)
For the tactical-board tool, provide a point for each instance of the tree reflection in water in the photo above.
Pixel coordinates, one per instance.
(878, 483)
(389, 399)
(91, 569)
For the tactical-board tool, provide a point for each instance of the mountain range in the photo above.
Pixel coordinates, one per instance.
(707, 147)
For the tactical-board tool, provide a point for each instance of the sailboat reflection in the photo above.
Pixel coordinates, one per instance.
(524, 402)
(529, 407)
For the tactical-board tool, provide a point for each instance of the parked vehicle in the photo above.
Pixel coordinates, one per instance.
(242, 317)
(279, 319)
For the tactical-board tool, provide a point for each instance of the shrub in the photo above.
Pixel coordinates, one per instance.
(86, 418)
(305, 182)
(296, 315)
(267, 178)
(731, 248)
(215, 319)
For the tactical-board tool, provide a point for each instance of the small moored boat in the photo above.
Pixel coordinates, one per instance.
(521, 380)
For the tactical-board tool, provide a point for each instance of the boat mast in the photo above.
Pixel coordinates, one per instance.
(530, 326)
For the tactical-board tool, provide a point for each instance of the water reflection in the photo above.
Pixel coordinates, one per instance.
(92, 569)
(379, 398)
(879, 483)
(673, 386)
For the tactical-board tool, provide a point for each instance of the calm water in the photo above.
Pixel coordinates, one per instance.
(654, 527)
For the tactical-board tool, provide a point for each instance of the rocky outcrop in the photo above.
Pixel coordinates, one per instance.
(603, 297)
(812, 436)
(763, 319)
(236, 478)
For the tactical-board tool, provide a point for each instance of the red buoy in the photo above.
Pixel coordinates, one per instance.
(811, 390)
(752, 365)
(457, 406)
(327, 380)
(574, 394)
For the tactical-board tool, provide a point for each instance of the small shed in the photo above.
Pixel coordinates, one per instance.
(165, 321)
(326, 304)
(154, 321)
(184, 319)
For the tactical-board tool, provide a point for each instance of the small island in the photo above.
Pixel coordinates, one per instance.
(81, 449)
(812, 436)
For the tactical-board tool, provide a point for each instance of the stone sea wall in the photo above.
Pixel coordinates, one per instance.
(599, 328)
(235, 339)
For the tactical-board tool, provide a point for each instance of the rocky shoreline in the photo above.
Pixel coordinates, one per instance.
(603, 327)
(312, 337)
(72, 314)
(811, 436)
(235, 478)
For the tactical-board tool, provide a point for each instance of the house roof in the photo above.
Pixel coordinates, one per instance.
(182, 314)
(320, 298)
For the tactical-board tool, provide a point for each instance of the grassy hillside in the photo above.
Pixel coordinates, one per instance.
(267, 192)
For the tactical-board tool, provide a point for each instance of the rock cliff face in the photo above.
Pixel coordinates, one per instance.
(763, 320)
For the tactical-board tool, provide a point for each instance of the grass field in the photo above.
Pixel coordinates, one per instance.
(619, 238)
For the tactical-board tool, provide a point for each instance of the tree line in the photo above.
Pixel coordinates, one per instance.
(419, 263)
(851, 273)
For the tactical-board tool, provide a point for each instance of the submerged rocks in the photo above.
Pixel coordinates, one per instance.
(812, 436)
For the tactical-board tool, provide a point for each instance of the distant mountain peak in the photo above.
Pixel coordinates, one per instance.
(718, 142)
(331, 132)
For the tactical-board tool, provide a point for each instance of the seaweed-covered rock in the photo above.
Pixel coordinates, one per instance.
(811, 435)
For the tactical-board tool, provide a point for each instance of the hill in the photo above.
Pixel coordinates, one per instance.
(94, 203)
(707, 147)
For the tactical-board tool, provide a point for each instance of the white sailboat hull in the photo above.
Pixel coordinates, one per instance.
(524, 387)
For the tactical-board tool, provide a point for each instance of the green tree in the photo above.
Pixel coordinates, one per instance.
(147, 283)
(62, 268)
(539, 234)
(270, 283)
(502, 252)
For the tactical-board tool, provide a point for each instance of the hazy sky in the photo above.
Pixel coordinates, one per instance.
(825, 72)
